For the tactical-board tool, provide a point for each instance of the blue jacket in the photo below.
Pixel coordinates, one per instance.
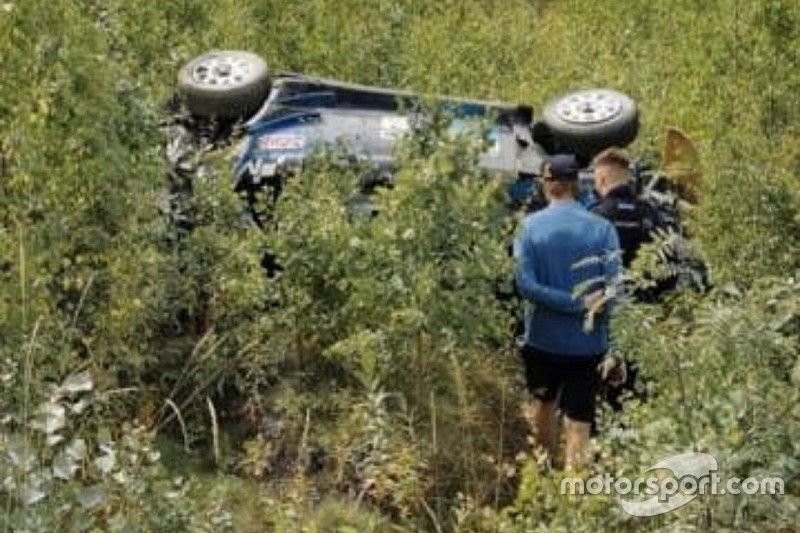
(547, 248)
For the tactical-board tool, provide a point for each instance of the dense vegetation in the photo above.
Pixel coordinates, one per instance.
(373, 385)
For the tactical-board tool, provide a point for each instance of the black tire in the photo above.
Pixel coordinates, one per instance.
(587, 122)
(225, 84)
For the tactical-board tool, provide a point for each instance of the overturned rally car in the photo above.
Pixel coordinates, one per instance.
(289, 116)
(282, 120)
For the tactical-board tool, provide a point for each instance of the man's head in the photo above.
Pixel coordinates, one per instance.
(560, 176)
(611, 169)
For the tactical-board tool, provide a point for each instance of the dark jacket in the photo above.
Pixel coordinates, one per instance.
(633, 218)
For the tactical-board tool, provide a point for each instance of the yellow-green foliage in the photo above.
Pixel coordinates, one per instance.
(378, 369)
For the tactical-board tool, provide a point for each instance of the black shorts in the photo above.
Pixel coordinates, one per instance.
(576, 378)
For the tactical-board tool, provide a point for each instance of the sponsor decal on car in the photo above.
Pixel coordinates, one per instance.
(282, 141)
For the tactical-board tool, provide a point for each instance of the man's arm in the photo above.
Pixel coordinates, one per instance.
(528, 286)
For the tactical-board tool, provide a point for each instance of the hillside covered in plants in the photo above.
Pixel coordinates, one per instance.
(150, 383)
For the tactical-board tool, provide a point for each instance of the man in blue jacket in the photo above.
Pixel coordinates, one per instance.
(554, 253)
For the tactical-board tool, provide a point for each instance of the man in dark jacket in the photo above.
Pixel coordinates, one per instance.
(633, 218)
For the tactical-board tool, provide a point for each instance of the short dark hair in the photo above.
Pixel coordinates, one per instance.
(613, 156)
(561, 187)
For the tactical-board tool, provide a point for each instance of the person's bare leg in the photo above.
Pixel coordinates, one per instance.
(544, 421)
(576, 449)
